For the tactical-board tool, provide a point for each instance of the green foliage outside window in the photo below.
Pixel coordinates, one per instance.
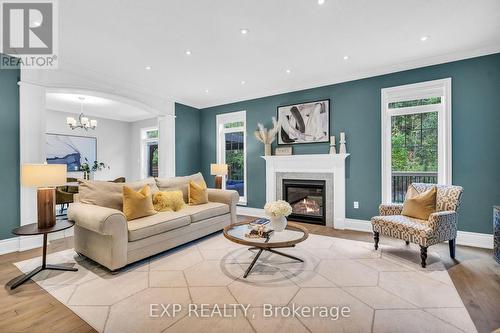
(414, 142)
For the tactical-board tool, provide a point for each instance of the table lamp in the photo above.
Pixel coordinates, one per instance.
(44, 177)
(218, 170)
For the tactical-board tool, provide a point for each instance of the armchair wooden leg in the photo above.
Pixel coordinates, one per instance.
(376, 239)
(407, 242)
(423, 255)
(452, 243)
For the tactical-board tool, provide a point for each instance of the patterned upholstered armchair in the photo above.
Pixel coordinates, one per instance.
(441, 225)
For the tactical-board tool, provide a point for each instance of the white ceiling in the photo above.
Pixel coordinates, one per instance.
(116, 39)
(95, 106)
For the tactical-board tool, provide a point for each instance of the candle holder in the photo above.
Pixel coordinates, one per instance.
(343, 148)
(333, 149)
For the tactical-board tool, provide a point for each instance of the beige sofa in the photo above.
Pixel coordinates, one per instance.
(103, 234)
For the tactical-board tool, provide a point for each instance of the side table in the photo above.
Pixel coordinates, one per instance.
(32, 229)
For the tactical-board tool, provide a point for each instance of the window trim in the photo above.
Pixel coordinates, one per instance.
(231, 117)
(420, 90)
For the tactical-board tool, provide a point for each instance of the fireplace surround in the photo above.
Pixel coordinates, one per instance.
(330, 168)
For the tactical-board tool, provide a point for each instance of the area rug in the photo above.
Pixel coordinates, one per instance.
(342, 286)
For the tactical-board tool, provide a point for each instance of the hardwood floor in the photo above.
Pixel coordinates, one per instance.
(30, 309)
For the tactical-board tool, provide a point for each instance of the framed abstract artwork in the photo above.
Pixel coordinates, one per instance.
(304, 123)
(71, 150)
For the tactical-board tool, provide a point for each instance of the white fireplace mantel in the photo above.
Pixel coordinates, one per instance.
(314, 164)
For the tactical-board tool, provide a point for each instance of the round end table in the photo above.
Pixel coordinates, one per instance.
(31, 230)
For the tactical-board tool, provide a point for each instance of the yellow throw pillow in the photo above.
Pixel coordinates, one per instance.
(167, 201)
(197, 193)
(137, 204)
(420, 206)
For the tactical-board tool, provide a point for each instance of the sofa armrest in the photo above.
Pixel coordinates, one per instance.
(103, 220)
(390, 209)
(444, 223)
(229, 197)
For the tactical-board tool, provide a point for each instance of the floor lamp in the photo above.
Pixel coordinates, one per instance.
(44, 177)
(218, 170)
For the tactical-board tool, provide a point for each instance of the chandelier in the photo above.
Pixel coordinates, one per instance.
(83, 121)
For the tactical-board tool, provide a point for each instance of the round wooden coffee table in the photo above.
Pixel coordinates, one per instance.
(292, 235)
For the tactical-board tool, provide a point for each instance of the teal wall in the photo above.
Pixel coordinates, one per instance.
(355, 109)
(9, 150)
(187, 140)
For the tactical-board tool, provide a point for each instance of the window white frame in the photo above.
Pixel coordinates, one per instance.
(415, 91)
(145, 141)
(221, 120)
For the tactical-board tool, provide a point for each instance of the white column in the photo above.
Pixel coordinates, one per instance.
(32, 150)
(166, 142)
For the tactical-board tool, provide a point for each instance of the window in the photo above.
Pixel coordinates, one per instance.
(150, 152)
(416, 137)
(231, 150)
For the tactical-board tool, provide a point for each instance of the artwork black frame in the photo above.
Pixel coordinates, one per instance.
(78, 136)
(297, 104)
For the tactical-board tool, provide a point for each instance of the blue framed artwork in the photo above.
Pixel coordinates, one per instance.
(70, 150)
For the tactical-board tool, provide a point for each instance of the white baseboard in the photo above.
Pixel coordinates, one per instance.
(463, 237)
(9, 245)
(249, 211)
(475, 239)
(358, 225)
(24, 243)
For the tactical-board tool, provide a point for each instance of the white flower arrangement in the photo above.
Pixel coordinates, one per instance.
(278, 208)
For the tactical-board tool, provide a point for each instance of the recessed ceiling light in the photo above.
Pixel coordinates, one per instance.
(244, 31)
(206, 91)
(346, 57)
(148, 68)
(424, 38)
(288, 71)
(188, 52)
(320, 2)
(243, 82)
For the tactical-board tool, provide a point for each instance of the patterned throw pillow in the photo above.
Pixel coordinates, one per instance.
(168, 201)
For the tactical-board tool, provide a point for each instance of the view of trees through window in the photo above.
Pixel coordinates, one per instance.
(415, 142)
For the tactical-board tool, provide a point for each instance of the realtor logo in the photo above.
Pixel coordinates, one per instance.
(29, 34)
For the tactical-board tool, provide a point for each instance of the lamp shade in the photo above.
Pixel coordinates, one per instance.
(218, 169)
(43, 175)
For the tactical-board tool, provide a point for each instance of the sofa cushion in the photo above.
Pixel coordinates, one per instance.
(156, 224)
(107, 194)
(179, 183)
(420, 205)
(205, 211)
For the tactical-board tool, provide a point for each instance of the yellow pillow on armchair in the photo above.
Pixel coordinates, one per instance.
(137, 204)
(197, 193)
(420, 206)
(168, 201)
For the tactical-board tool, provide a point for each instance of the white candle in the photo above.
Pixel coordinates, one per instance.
(85, 121)
(70, 120)
(342, 136)
(332, 140)
(93, 123)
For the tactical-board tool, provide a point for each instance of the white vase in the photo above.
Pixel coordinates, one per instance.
(278, 223)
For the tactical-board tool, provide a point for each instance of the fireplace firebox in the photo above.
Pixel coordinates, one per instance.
(307, 198)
